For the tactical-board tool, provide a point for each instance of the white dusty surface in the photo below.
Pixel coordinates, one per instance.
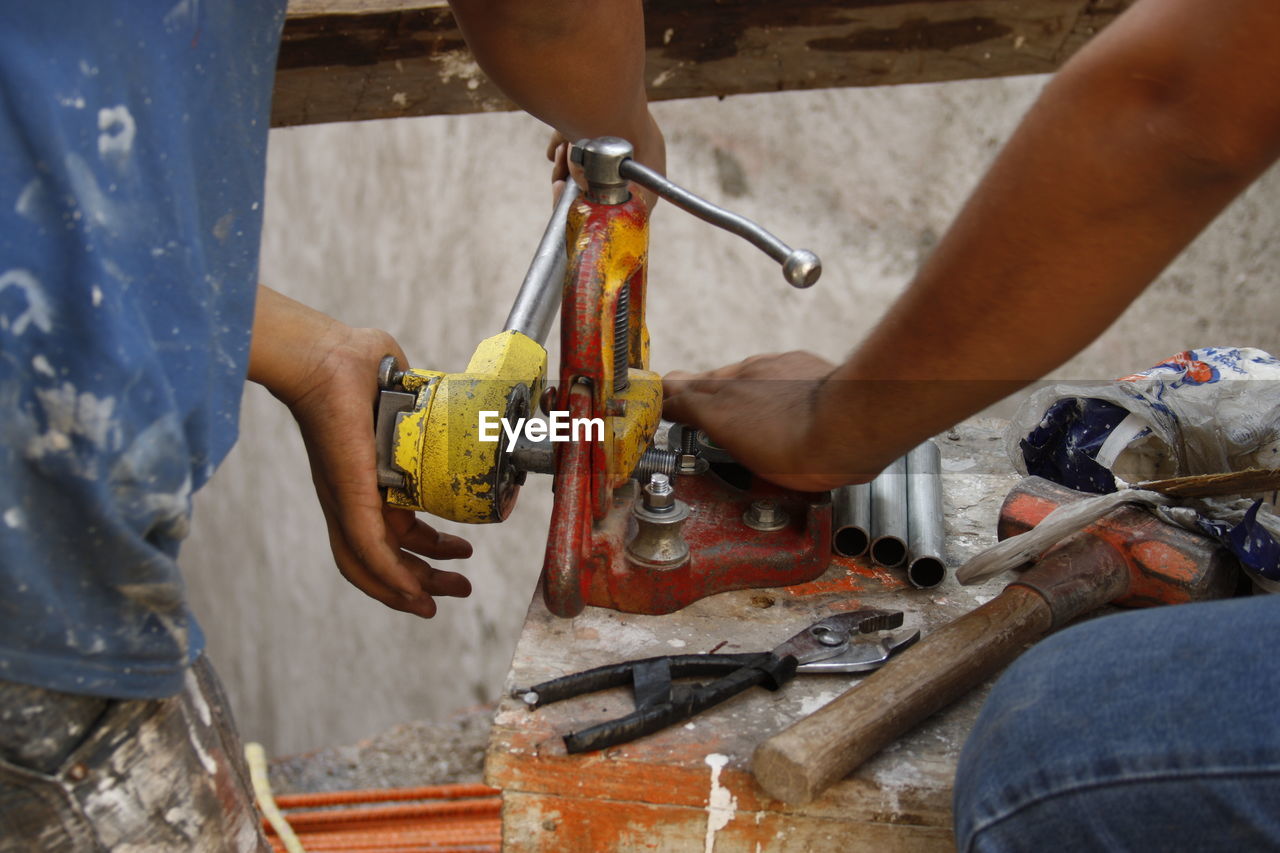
(425, 227)
(914, 772)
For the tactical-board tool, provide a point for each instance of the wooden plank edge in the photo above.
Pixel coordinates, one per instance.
(609, 777)
(542, 822)
(369, 60)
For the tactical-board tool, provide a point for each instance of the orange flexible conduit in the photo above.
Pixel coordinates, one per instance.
(438, 819)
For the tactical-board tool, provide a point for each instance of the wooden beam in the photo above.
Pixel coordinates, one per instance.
(348, 60)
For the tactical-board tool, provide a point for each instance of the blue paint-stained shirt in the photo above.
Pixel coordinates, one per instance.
(132, 155)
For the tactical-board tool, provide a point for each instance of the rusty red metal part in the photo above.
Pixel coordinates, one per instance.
(1166, 564)
(586, 560)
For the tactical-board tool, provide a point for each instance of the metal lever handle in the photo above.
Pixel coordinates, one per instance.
(539, 297)
(800, 266)
(608, 166)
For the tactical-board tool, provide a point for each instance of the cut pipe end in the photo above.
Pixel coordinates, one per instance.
(889, 551)
(926, 572)
(850, 541)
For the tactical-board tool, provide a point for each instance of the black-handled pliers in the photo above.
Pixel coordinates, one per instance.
(824, 647)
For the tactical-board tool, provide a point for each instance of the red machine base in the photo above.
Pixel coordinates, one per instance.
(724, 553)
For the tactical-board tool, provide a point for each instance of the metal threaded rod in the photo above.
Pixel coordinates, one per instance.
(622, 339)
(689, 441)
(655, 461)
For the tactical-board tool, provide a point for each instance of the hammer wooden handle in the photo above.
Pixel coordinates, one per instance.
(1130, 556)
(800, 762)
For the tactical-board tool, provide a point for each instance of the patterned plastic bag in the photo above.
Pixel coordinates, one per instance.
(1203, 411)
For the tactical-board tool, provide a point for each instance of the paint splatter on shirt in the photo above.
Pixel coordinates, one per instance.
(132, 155)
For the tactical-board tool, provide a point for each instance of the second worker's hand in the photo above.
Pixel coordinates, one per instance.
(764, 412)
(326, 373)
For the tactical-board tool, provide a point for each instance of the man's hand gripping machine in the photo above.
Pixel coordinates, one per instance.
(634, 527)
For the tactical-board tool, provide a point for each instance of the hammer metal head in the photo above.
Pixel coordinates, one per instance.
(1162, 563)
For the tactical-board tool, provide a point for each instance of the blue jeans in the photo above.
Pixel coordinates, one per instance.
(1151, 730)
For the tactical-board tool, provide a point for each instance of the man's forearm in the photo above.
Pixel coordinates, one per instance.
(1130, 152)
(289, 339)
(576, 64)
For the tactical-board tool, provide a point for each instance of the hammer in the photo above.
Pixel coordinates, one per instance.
(1130, 557)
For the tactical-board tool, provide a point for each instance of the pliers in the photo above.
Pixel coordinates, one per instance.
(824, 647)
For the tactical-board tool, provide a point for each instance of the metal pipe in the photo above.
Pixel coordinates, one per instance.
(800, 266)
(851, 520)
(534, 456)
(540, 293)
(889, 515)
(927, 566)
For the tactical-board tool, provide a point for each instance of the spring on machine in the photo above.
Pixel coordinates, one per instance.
(622, 339)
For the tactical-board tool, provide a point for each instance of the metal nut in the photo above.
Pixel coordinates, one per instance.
(658, 494)
(765, 515)
(690, 464)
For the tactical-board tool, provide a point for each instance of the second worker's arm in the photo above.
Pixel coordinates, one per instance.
(326, 373)
(576, 64)
(1131, 150)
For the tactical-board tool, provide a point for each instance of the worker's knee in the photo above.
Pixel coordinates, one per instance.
(999, 769)
(1096, 730)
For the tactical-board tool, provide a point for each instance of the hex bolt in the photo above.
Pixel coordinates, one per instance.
(659, 518)
(766, 511)
(658, 494)
(765, 515)
(689, 441)
(689, 461)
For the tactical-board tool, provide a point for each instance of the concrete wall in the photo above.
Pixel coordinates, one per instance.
(425, 227)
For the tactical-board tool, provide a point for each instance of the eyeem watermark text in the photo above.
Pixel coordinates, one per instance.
(557, 427)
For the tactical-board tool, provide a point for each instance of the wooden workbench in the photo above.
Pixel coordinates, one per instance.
(349, 60)
(690, 787)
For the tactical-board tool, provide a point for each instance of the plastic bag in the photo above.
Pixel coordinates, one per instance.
(1203, 411)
